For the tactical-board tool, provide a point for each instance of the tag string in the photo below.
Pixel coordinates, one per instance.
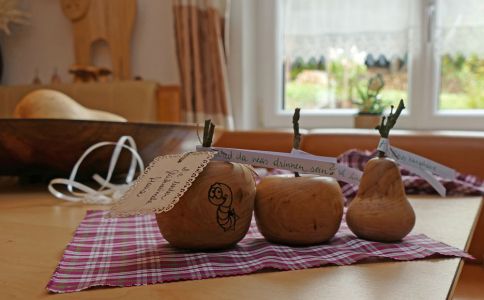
(108, 192)
(419, 165)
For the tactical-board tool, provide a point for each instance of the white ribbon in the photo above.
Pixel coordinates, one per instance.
(343, 172)
(300, 153)
(108, 192)
(296, 161)
(419, 165)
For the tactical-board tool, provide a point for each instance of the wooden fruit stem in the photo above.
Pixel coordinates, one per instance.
(385, 127)
(297, 136)
(208, 131)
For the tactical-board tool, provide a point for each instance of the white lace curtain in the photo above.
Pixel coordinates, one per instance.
(460, 27)
(315, 28)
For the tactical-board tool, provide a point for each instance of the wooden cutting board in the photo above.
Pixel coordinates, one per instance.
(105, 20)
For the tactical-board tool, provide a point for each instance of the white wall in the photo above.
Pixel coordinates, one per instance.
(241, 65)
(47, 44)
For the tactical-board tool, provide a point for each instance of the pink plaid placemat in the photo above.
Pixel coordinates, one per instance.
(131, 251)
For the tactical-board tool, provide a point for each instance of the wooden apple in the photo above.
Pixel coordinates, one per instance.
(215, 212)
(298, 210)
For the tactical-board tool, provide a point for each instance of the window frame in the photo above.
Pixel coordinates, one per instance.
(423, 70)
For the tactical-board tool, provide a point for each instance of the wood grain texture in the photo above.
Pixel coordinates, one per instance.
(52, 104)
(51, 147)
(169, 106)
(380, 211)
(298, 210)
(35, 228)
(471, 287)
(216, 211)
(107, 20)
(134, 100)
(366, 121)
(461, 150)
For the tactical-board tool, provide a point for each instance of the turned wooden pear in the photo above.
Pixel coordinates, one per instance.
(381, 211)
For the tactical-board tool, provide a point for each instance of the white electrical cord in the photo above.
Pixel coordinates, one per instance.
(108, 193)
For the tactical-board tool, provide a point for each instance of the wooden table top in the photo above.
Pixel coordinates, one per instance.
(35, 228)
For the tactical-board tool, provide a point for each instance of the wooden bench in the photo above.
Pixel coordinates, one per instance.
(137, 101)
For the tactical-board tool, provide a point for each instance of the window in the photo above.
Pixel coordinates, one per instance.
(332, 48)
(318, 54)
(459, 47)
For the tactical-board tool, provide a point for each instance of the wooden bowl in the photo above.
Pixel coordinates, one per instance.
(49, 148)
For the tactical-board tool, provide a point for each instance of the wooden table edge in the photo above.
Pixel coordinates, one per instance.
(456, 270)
(457, 274)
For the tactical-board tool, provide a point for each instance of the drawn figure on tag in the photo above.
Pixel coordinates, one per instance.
(220, 195)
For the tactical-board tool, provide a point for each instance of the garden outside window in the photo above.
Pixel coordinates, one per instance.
(428, 52)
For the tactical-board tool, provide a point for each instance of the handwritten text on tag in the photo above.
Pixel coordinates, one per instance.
(297, 161)
(419, 165)
(416, 161)
(162, 184)
(268, 159)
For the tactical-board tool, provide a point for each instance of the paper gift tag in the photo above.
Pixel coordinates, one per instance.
(162, 184)
(419, 165)
(343, 173)
(296, 161)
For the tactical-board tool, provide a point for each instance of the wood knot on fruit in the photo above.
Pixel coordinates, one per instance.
(220, 195)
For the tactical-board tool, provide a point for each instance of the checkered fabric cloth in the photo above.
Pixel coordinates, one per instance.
(463, 185)
(131, 251)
